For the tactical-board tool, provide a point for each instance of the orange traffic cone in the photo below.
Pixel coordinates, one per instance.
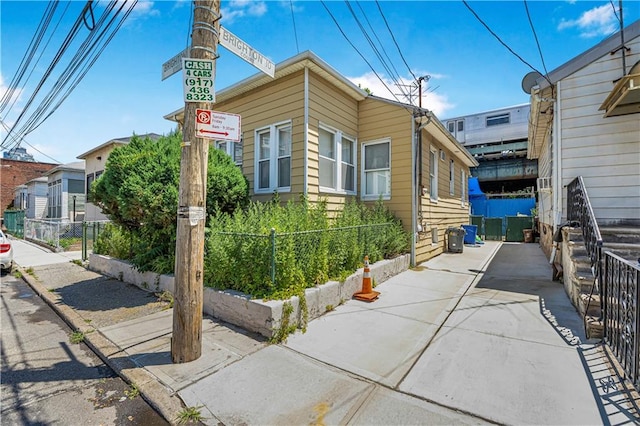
(367, 294)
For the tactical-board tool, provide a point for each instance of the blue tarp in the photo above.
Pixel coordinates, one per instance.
(474, 189)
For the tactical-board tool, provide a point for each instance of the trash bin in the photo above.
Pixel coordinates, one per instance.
(470, 232)
(454, 240)
(528, 235)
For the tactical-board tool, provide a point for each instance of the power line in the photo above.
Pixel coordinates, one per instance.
(85, 57)
(395, 78)
(544, 66)
(295, 31)
(394, 41)
(356, 49)
(502, 42)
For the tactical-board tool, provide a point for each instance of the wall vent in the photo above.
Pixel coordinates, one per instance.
(434, 235)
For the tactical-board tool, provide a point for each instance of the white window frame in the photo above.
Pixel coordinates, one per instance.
(229, 149)
(463, 188)
(274, 156)
(338, 137)
(452, 177)
(363, 177)
(433, 174)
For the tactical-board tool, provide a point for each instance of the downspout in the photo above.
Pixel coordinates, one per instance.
(414, 198)
(305, 174)
(557, 159)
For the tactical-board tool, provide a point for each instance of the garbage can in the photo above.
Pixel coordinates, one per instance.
(528, 235)
(470, 232)
(454, 240)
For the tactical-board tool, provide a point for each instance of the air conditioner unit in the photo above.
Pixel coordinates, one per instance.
(544, 184)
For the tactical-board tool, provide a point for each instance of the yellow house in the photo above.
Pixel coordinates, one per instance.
(310, 131)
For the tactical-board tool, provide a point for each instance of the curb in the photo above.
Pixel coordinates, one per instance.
(167, 404)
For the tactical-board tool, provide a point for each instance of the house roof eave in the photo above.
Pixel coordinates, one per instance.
(306, 59)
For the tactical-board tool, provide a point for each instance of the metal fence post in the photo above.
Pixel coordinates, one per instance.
(84, 240)
(273, 256)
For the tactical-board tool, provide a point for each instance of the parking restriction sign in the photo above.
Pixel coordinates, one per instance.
(220, 126)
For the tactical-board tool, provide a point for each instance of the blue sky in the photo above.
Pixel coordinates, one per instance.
(470, 70)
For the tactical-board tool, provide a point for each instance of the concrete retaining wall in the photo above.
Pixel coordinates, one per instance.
(263, 317)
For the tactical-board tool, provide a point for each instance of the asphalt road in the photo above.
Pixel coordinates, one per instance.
(46, 379)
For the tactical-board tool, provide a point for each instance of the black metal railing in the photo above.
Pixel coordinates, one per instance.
(579, 209)
(620, 304)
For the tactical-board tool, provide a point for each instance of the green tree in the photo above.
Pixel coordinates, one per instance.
(139, 192)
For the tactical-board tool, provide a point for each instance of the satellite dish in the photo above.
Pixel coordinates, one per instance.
(635, 69)
(530, 80)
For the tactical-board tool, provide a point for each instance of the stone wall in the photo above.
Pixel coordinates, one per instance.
(263, 317)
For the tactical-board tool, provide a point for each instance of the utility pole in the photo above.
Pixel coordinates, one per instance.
(186, 342)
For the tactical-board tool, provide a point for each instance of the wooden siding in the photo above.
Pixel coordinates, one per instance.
(605, 151)
(280, 101)
(382, 120)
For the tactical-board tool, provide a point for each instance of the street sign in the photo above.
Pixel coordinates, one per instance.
(246, 52)
(220, 126)
(174, 64)
(197, 80)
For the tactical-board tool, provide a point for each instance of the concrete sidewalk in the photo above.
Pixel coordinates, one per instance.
(478, 337)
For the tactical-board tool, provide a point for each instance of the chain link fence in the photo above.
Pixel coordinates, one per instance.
(261, 263)
(64, 236)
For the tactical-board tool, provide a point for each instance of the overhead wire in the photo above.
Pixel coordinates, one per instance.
(395, 77)
(29, 53)
(395, 41)
(85, 57)
(295, 31)
(357, 50)
(84, 71)
(502, 42)
(82, 55)
(65, 45)
(544, 66)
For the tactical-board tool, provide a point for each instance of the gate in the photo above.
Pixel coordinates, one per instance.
(14, 222)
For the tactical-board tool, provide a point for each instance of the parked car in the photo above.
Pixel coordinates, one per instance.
(6, 253)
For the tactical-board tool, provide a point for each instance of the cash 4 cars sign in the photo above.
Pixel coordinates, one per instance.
(197, 80)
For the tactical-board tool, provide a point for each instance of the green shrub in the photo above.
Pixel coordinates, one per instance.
(311, 248)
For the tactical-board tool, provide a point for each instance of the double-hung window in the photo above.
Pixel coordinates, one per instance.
(433, 174)
(336, 161)
(376, 169)
(273, 158)
(233, 149)
(452, 178)
(463, 188)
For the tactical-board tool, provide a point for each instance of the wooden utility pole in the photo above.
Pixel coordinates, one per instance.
(186, 342)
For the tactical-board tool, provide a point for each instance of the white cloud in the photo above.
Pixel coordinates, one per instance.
(242, 8)
(435, 102)
(599, 21)
(15, 96)
(144, 8)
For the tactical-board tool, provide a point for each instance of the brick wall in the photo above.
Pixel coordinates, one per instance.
(14, 173)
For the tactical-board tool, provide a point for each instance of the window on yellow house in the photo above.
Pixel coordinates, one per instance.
(376, 169)
(233, 149)
(433, 174)
(336, 160)
(452, 178)
(463, 187)
(273, 158)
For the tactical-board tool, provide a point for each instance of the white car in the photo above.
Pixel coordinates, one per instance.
(6, 253)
